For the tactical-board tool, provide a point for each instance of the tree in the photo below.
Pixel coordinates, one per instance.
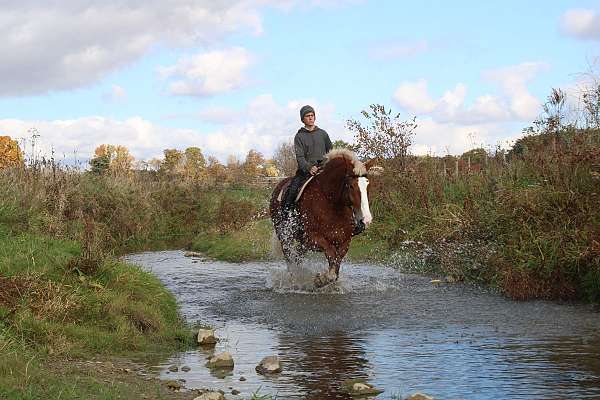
(285, 159)
(10, 152)
(155, 163)
(553, 117)
(271, 169)
(108, 157)
(234, 169)
(172, 163)
(100, 164)
(194, 163)
(591, 106)
(385, 136)
(476, 156)
(254, 163)
(340, 144)
(122, 162)
(216, 172)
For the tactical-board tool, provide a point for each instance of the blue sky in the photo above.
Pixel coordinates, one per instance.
(229, 76)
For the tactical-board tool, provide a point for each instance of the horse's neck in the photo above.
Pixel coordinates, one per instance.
(331, 182)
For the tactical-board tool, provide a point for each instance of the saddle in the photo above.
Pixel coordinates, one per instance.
(287, 184)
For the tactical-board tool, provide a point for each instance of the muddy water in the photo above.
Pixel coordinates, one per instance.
(396, 331)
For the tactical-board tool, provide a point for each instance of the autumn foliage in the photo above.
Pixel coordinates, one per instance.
(108, 157)
(10, 152)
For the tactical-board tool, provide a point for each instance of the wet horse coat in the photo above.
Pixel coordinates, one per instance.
(327, 212)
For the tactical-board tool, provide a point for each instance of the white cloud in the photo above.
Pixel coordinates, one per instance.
(515, 104)
(262, 125)
(582, 24)
(209, 73)
(414, 97)
(513, 81)
(451, 124)
(441, 138)
(70, 44)
(399, 50)
(63, 45)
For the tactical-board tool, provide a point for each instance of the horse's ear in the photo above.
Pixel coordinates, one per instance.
(372, 168)
(370, 163)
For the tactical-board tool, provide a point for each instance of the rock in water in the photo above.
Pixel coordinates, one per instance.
(419, 396)
(221, 360)
(206, 337)
(358, 388)
(192, 254)
(269, 365)
(211, 396)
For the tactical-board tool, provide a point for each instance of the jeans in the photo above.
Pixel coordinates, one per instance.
(289, 199)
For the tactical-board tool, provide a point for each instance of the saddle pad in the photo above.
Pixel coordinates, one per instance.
(284, 188)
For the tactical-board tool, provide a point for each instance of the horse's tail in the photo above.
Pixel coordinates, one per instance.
(276, 250)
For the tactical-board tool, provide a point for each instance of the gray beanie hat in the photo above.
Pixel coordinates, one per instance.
(305, 110)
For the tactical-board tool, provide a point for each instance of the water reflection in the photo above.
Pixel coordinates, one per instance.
(320, 364)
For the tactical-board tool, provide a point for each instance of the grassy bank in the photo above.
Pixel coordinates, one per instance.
(64, 296)
(54, 307)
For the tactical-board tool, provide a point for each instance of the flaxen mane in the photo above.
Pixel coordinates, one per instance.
(359, 167)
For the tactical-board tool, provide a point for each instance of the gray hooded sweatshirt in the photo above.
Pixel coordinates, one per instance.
(311, 147)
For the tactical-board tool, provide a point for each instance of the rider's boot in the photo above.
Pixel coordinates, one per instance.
(359, 228)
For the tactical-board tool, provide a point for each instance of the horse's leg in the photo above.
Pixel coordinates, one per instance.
(341, 253)
(333, 261)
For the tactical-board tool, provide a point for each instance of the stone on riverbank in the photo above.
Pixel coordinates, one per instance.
(173, 385)
(358, 388)
(211, 396)
(221, 360)
(419, 396)
(193, 254)
(269, 365)
(206, 337)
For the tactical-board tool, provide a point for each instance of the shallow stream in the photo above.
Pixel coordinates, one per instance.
(397, 331)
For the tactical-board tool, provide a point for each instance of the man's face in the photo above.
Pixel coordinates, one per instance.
(309, 119)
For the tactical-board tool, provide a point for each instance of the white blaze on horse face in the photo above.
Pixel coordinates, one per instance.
(364, 200)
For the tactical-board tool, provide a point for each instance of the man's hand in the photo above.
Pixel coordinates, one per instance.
(313, 170)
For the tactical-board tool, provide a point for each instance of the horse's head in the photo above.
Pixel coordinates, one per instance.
(356, 189)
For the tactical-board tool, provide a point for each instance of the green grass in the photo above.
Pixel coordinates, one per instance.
(251, 243)
(49, 309)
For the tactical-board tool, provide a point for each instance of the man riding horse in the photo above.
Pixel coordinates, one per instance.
(333, 205)
(311, 143)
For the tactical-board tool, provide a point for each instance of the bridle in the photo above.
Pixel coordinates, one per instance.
(346, 188)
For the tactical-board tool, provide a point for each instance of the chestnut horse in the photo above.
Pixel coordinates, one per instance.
(328, 209)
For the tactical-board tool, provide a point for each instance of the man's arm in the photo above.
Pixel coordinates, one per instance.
(328, 144)
(299, 150)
